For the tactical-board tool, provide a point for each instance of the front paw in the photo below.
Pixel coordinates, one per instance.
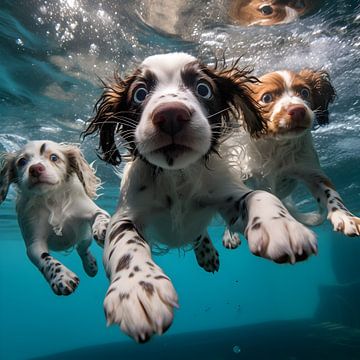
(99, 229)
(141, 301)
(345, 222)
(63, 281)
(280, 238)
(231, 240)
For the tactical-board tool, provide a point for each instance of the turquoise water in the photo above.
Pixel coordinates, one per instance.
(51, 53)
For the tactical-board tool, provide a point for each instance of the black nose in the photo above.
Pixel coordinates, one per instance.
(171, 117)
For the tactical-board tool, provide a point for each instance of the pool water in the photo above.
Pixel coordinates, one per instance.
(52, 55)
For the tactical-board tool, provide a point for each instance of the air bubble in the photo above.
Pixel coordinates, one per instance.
(236, 349)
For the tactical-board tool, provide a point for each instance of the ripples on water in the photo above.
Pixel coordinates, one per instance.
(54, 52)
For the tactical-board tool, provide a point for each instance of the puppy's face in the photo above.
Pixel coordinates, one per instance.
(269, 12)
(40, 166)
(291, 101)
(172, 110)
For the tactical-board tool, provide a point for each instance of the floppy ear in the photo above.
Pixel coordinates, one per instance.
(82, 169)
(7, 173)
(323, 93)
(234, 85)
(109, 108)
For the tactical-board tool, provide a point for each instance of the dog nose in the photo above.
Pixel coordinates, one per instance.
(171, 117)
(36, 170)
(296, 112)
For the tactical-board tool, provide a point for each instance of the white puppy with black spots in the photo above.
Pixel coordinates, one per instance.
(55, 187)
(172, 114)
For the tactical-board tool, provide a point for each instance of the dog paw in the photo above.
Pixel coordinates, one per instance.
(99, 229)
(63, 281)
(345, 222)
(280, 238)
(207, 256)
(90, 264)
(141, 302)
(231, 240)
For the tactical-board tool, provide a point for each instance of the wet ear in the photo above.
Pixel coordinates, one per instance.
(106, 120)
(82, 169)
(7, 173)
(234, 84)
(323, 93)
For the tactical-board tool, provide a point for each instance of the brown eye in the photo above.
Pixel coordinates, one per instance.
(266, 9)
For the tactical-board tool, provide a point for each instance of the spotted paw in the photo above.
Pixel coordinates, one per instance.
(207, 256)
(345, 222)
(99, 228)
(231, 240)
(63, 281)
(141, 301)
(283, 240)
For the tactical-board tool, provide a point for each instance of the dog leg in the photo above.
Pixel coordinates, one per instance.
(271, 231)
(140, 298)
(61, 279)
(100, 224)
(340, 217)
(88, 260)
(206, 254)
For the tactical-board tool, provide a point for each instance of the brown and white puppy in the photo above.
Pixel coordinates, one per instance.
(172, 114)
(269, 12)
(285, 155)
(54, 187)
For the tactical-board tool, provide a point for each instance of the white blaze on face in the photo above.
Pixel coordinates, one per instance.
(39, 153)
(194, 140)
(288, 97)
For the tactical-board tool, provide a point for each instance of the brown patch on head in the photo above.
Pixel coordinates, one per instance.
(114, 115)
(271, 12)
(294, 117)
(232, 97)
(323, 93)
(78, 165)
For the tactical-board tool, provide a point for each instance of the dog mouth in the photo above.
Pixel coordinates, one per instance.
(173, 150)
(38, 183)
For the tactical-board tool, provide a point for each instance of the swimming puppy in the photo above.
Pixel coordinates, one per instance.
(172, 113)
(285, 155)
(54, 187)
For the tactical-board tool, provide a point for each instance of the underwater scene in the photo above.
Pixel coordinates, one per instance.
(54, 55)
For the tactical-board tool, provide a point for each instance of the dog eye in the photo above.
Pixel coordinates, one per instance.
(140, 95)
(204, 90)
(54, 157)
(267, 98)
(266, 9)
(305, 93)
(22, 162)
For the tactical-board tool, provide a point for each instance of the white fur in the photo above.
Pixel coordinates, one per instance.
(55, 211)
(173, 207)
(277, 163)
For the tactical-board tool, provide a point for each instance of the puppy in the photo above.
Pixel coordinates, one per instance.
(54, 187)
(171, 114)
(285, 155)
(269, 12)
